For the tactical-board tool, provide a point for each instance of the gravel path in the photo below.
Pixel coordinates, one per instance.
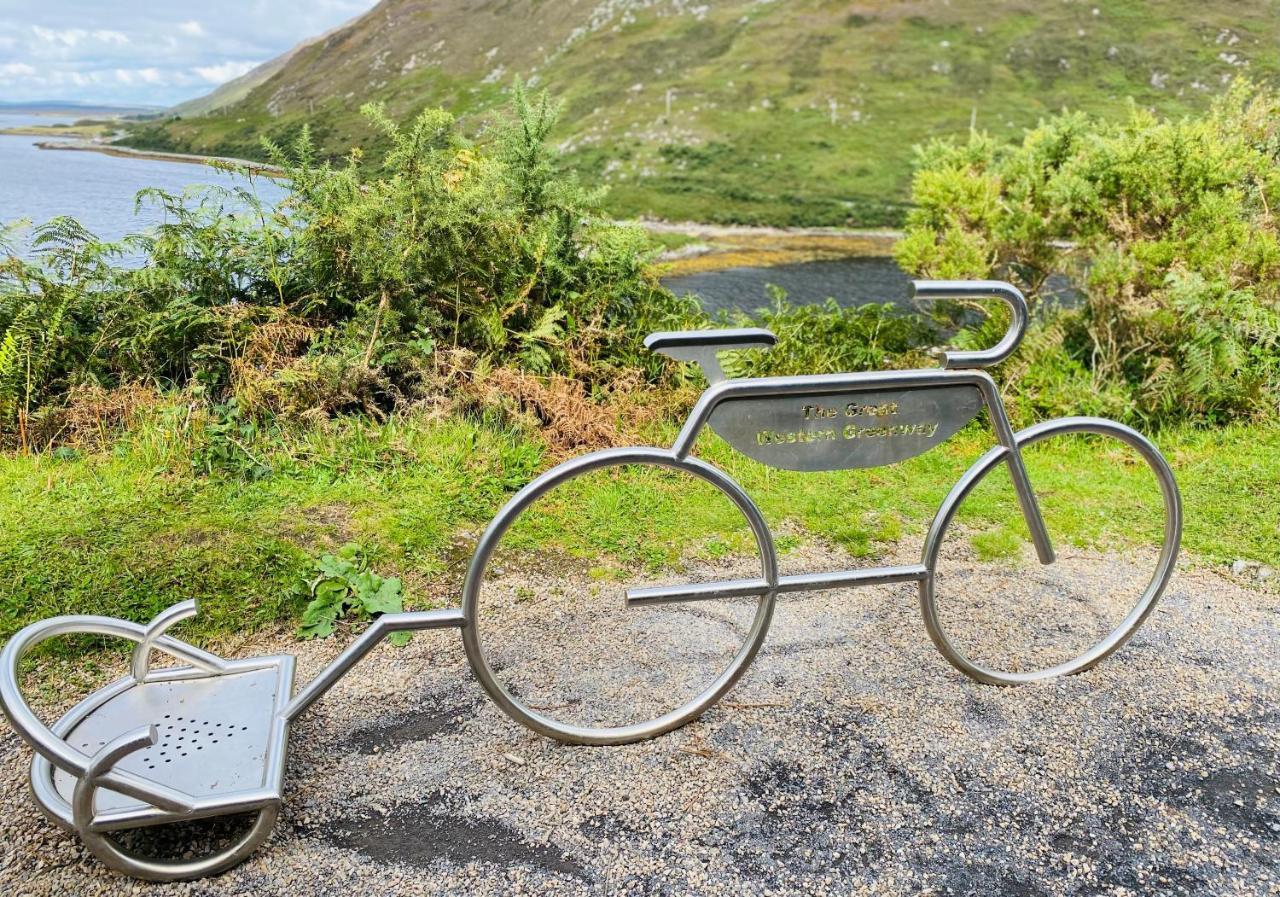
(851, 759)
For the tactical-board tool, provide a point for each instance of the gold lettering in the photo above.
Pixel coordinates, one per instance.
(775, 437)
(814, 412)
(854, 431)
(857, 409)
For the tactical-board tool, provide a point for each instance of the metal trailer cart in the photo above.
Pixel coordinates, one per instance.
(209, 737)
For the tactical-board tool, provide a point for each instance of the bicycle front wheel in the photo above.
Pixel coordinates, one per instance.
(1113, 513)
(550, 634)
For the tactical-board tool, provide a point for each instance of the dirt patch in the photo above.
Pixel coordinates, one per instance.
(395, 731)
(322, 528)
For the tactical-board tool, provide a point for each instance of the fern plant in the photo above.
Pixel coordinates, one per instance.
(427, 242)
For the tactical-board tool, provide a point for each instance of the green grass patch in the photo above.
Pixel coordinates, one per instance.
(129, 532)
(1000, 544)
(1094, 494)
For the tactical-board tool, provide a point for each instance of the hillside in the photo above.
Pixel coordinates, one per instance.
(237, 89)
(234, 90)
(798, 112)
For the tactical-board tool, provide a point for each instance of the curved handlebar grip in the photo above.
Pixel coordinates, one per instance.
(979, 289)
(140, 663)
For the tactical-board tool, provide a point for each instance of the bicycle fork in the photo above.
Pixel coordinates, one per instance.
(1021, 483)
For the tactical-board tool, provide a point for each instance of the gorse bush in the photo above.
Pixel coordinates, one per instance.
(826, 338)
(1169, 228)
(344, 296)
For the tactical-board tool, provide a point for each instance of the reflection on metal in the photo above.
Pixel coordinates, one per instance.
(805, 582)
(208, 737)
(703, 347)
(979, 289)
(838, 431)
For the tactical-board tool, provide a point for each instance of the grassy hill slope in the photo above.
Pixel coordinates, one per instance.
(755, 111)
(234, 90)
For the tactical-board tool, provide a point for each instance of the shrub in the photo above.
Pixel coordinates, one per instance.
(827, 338)
(339, 298)
(1167, 225)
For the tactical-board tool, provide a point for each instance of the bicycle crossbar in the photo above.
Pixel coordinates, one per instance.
(807, 582)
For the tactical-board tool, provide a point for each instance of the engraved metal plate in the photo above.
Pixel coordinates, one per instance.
(838, 431)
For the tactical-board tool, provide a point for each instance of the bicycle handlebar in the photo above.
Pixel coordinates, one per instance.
(978, 289)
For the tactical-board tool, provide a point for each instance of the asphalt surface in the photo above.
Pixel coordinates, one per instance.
(851, 759)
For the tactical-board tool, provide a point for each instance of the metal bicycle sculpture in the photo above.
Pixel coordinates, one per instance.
(209, 737)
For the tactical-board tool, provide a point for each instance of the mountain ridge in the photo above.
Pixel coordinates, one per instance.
(747, 111)
(237, 89)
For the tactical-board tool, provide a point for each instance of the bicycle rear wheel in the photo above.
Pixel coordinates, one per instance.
(1114, 514)
(549, 634)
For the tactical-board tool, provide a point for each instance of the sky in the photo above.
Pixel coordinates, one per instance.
(147, 52)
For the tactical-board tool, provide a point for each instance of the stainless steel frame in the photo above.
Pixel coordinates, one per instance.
(134, 754)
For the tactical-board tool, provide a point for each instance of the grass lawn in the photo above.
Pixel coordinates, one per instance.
(132, 530)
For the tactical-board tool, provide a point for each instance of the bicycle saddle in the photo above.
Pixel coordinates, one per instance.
(703, 346)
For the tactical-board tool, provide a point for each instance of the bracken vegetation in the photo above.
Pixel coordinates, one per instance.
(459, 275)
(359, 293)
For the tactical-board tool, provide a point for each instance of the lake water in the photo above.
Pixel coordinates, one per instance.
(850, 281)
(95, 188)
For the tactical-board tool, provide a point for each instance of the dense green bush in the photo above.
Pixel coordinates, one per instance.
(346, 294)
(827, 338)
(396, 278)
(1167, 225)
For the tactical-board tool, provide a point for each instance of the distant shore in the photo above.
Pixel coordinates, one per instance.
(159, 156)
(709, 246)
(729, 231)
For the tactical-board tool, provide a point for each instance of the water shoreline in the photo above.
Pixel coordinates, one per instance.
(124, 152)
(709, 247)
(731, 231)
(695, 229)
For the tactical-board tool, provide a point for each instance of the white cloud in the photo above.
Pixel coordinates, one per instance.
(67, 37)
(226, 71)
(140, 76)
(74, 37)
(16, 70)
(191, 28)
(111, 37)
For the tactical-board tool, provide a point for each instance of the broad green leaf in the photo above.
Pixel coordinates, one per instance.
(387, 599)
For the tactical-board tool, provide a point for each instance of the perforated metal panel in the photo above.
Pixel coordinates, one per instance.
(214, 734)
